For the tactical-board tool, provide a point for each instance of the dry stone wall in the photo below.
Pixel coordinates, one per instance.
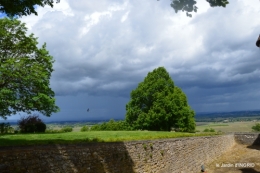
(247, 138)
(160, 156)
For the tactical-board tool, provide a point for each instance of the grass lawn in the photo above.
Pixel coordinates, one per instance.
(89, 136)
(229, 127)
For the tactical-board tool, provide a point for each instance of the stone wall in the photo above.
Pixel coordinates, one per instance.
(160, 156)
(247, 138)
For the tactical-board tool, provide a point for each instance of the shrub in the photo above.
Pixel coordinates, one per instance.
(111, 125)
(209, 130)
(6, 128)
(84, 129)
(256, 127)
(31, 128)
(40, 127)
(212, 130)
(206, 130)
(66, 129)
(31, 124)
(52, 131)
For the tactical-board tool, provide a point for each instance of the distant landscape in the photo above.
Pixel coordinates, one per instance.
(228, 116)
(220, 121)
(199, 117)
(236, 121)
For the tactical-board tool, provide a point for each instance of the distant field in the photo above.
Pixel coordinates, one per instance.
(115, 136)
(89, 136)
(228, 127)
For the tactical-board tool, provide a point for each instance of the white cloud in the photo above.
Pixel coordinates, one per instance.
(108, 47)
(92, 20)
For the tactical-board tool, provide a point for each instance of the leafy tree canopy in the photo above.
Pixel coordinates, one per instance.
(25, 71)
(156, 104)
(26, 7)
(22, 7)
(190, 5)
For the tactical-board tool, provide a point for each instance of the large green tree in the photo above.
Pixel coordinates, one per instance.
(156, 104)
(22, 7)
(25, 71)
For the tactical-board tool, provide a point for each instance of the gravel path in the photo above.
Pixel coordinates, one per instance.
(240, 159)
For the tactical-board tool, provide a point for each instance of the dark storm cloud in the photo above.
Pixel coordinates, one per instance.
(100, 52)
(103, 49)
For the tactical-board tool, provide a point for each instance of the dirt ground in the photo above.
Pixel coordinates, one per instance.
(240, 159)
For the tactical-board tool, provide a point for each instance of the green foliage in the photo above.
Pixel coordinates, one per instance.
(52, 131)
(25, 71)
(66, 129)
(189, 5)
(209, 130)
(84, 129)
(256, 127)
(206, 130)
(151, 146)
(212, 130)
(156, 104)
(145, 146)
(162, 152)
(24, 7)
(31, 124)
(111, 126)
(40, 127)
(183, 114)
(6, 128)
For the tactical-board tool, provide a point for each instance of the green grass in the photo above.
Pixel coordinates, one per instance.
(219, 124)
(229, 127)
(90, 136)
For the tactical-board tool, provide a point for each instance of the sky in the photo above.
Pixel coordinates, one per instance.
(103, 49)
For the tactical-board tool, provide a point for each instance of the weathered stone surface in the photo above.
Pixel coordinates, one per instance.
(247, 138)
(156, 156)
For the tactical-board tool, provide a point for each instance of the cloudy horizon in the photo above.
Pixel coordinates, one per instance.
(103, 49)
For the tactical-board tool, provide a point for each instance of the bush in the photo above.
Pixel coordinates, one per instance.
(209, 130)
(212, 130)
(30, 128)
(6, 128)
(31, 124)
(84, 129)
(52, 131)
(111, 126)
(256, 127)
(206, 130)
(40, 127)
(66, 129)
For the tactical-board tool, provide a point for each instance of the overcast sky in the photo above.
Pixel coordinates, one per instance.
(103, 49)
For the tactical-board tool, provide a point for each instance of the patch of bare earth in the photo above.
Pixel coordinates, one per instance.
(240, 159)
